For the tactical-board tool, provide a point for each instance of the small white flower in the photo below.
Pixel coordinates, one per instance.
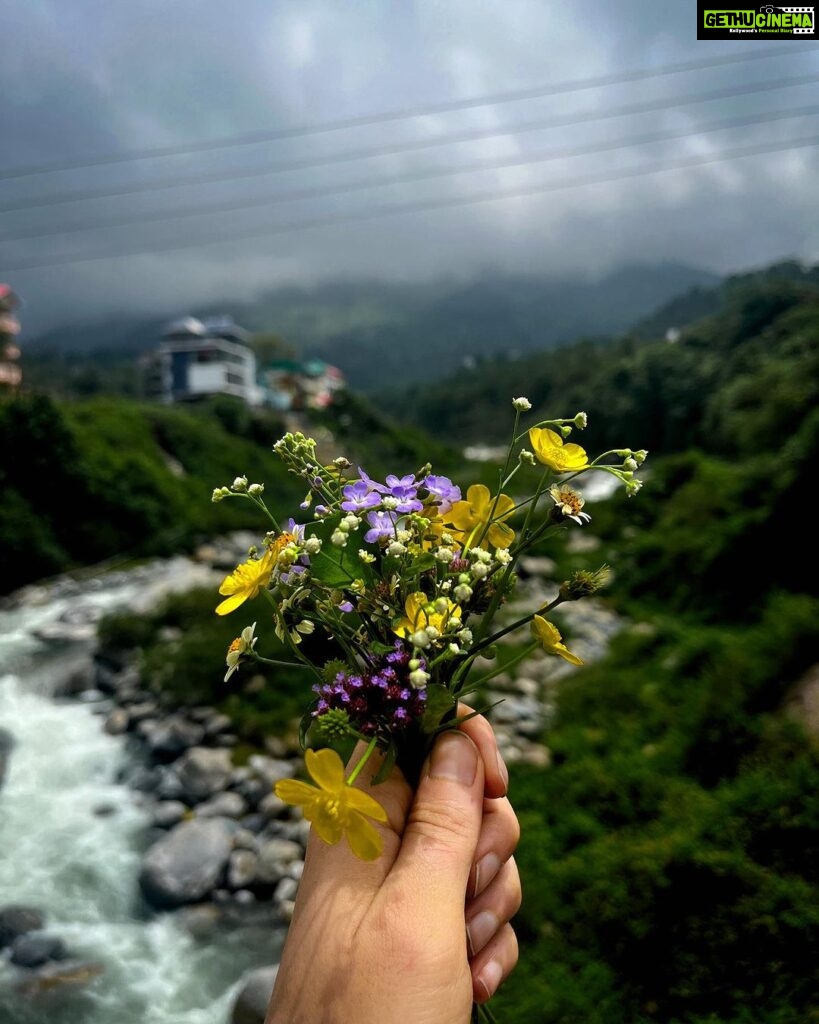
(420, 639)
(465, 636)
(503, 556)
(479, 555)
(444, 554)
(256, 490)
(241, 646)
(240, 484)
(338, 539)
(312, 545)
(463, 592)
(365, 556)
(454, 649)
(351, 522)
(479, 570)
(389, 502)
(432, 632)
(521, 404)
(581, 421)
(396, 549)
(419, 678)
(441, 606)
(405, 536)
(217, 494)
(641, 456)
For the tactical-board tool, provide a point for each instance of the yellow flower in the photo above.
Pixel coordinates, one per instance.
(420, 613)
(472, 517)
(552, 452)
(333, 807)
(246, 581)
(552, 641)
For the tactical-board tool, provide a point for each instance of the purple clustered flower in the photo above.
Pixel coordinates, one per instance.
(377, 700)
(403, 489)
(442, 491)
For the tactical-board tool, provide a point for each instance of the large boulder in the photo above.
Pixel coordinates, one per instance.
(203, 772)
(36, 948)
(187, 864)
(18, 920)
(251, 1003)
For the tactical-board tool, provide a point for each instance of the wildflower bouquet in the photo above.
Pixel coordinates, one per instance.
(403, 579)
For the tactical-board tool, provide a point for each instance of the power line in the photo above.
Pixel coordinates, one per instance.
(397, 209)
(393, 149)
(406, 113)
(367, 184)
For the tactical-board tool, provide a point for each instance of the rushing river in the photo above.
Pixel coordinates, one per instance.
(60, 854)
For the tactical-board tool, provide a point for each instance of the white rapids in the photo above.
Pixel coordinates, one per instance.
(79, 866)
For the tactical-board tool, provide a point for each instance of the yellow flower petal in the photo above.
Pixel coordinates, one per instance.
(549, 636)
(299, 794)
(326, 768)
(364, 839)
(552, 452)
(327, 824)
(230, 604)
(362, 802)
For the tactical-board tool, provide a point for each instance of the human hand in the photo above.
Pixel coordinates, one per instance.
(418, 934)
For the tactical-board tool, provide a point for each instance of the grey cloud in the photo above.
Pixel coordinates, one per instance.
(93, 78)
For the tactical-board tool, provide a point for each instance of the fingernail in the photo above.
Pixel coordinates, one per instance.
(480, 930)
(504, 771)
(490, 977)
(454, 757)
(485, 870)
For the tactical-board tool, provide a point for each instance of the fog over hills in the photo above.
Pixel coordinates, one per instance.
(375, 330)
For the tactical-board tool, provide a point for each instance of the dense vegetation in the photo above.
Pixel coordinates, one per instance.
(670, 854)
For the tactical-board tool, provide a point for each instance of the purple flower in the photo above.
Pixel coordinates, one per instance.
(442, 491)
(383, 525)
(371, 484)
(345, 606)
(377, 701)
(407, 498)
(359, 496)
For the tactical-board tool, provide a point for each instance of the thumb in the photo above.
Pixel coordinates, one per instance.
(441, 834)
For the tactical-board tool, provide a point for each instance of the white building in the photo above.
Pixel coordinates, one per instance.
(198, 358)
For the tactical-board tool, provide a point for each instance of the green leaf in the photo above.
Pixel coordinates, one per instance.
(380, 648)
(304, 727)
(387, 766)
(439, 702)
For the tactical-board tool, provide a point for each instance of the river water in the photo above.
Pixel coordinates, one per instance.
(80, 867)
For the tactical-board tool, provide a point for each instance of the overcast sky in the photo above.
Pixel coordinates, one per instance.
(85, 80)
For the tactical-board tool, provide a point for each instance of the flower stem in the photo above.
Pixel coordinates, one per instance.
(365, 757)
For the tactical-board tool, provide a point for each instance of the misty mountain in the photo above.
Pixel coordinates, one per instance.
(379, 332)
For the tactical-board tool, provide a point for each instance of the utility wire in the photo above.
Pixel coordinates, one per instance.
(367, 184)
(406, 113)
(397, 209)
(392, 149)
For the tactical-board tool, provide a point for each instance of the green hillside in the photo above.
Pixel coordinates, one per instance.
(85, 481)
